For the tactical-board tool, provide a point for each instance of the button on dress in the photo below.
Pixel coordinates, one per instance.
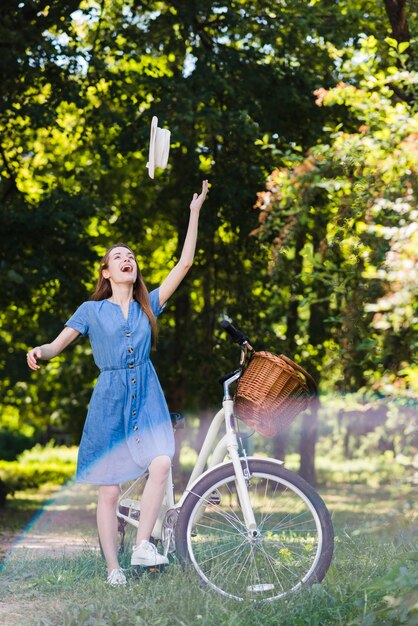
(128, 423)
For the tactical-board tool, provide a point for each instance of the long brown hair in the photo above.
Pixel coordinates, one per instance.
(140, 292)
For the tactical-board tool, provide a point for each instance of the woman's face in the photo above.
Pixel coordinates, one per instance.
(121, 267)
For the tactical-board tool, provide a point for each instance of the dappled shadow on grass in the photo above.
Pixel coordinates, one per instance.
(359, 509)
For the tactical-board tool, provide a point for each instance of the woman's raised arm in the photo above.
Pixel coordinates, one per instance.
(173, 280)
(49, 350)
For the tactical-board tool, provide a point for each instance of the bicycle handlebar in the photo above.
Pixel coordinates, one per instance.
(236, 335)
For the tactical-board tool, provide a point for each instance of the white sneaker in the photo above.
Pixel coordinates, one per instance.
(146, 554)
(116, 577)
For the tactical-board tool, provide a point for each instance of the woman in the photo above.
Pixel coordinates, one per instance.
(128, 428)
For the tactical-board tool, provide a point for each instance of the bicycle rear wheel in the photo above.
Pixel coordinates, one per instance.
(295, 542)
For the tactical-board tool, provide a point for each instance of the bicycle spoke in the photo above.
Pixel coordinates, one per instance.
(266, 517)
(290, 572)
(267, 567)
(219, 554)
(269, 560)
(284, 523)
(200, 525)
(244, 564)
(232, 558)
(282, 506)
(232, 517)
(256, 576)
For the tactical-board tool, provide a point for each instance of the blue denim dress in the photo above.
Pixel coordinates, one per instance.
(128, 423)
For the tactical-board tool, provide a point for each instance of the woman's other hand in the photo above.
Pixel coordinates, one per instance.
(33, 356)
(198, 200)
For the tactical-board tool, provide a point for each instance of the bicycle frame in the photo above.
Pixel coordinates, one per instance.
(228, 445)
(213, 526)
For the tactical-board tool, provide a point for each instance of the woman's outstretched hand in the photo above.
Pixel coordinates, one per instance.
(32, 358)
(198, 200)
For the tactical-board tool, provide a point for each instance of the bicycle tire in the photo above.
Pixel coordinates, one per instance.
(210, 526)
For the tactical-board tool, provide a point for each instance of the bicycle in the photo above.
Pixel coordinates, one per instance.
(249, 527)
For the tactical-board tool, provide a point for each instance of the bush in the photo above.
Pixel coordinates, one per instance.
(397, 594)
(38, 466)
(4, 490)
(12, 443)
(62, 455)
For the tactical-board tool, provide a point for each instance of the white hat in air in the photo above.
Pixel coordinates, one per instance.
(159, 147)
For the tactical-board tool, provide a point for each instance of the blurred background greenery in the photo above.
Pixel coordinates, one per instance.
(303, 116)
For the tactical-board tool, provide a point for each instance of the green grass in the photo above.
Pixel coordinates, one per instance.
(371, 581)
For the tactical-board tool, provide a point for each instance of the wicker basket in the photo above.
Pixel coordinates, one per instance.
(271, 392)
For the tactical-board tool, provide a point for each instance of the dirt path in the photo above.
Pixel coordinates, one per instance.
(65, 524)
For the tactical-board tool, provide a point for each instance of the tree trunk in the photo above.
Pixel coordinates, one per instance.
(179, 478)
(317, 332)
(204, 423)
(396, 12)
(307, 444)
(292, 318)
(280, 445)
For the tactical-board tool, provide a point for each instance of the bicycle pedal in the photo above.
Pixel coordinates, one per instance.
(138, 570)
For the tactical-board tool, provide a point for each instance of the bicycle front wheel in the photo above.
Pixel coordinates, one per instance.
(295, 537)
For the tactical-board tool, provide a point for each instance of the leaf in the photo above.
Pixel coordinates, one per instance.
(15, 277)
(409, 556)
(391, 42)
(404, 45)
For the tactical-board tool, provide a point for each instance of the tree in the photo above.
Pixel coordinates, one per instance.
(338, 220)
(79, 96)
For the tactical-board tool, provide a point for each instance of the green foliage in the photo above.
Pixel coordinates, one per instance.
(376, 470)
(80, 82)
(18, 477)
(13, 443)
(14, 436)
(39, 465)
(343, 226)
(396, 594)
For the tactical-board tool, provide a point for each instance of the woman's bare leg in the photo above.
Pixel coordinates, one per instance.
(152, 496)
(107, 524)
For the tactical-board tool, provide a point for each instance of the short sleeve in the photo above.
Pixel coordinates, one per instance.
(154, 297)
(80, 320)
